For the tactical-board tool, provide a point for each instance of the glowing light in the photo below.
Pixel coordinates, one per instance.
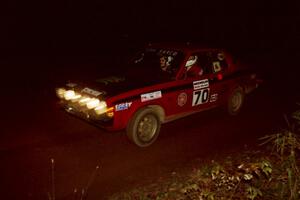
(101, 108)
(76, 97)
(84, 100)
(60, 92)
(92, 103)
(110, 112)
(69, 94)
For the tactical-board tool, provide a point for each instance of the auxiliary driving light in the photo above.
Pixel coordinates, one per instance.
(60, 92)
(76, 97)
(101, 108)
(92, 103)
(69, 94)
(84, 100)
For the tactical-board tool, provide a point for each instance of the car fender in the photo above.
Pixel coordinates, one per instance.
(123, 119)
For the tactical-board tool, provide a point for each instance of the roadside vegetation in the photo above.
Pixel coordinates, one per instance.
(270, 172)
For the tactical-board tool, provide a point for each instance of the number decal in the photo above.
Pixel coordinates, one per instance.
(200, 97)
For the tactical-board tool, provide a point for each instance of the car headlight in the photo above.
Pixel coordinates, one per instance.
(60, 92)
(69, 94)
(84, 100)
(101, 108)
(92, 103)
(76, 97)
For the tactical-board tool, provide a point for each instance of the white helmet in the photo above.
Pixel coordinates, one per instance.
(191, 62)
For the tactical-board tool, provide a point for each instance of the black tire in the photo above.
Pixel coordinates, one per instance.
(235, 101)
(143, 128)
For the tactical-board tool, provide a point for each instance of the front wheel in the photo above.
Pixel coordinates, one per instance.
(144, 127)
(235, 101)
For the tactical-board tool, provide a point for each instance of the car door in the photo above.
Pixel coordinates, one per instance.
(208, 87)
(200, 90)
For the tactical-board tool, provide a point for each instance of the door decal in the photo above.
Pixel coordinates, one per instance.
(181, 99)
(200, 84)
(200, 97)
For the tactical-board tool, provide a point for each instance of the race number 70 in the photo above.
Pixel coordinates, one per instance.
(200, 96)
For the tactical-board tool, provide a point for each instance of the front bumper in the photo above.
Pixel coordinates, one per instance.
(90, 116)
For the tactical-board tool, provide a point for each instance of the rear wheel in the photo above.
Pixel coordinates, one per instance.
(235, 101)
(144, 127)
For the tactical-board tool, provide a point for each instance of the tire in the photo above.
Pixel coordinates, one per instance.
(143, 128)
(235, 101)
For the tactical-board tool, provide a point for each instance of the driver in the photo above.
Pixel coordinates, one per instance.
(165, 62)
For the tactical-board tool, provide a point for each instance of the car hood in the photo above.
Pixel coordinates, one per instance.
(111, 85)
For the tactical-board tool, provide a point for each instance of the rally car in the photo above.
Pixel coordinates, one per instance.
(161, 83)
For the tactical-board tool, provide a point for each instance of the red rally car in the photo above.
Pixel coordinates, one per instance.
(162, 83)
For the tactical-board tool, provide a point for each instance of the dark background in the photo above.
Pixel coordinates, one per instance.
(43, 42)
(77, 27)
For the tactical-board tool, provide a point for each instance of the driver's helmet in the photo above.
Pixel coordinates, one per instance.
(169, 60)
(191, 61)
(165, 61)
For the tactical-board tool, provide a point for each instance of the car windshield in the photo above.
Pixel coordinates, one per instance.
(158, 64)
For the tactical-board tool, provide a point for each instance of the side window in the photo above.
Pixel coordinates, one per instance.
(219, 62)
(205, 62)
(169, 61)
(193, 67)
(212, 61)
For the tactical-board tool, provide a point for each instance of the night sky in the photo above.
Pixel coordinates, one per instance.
(87, 27)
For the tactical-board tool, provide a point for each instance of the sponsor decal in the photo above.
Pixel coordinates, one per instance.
(213, 97)
(91, 92)
(201, 84)
(181, 99)
(217, 66)
(151, 96)
(123, 106)
(200, 97)
(71, 85)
